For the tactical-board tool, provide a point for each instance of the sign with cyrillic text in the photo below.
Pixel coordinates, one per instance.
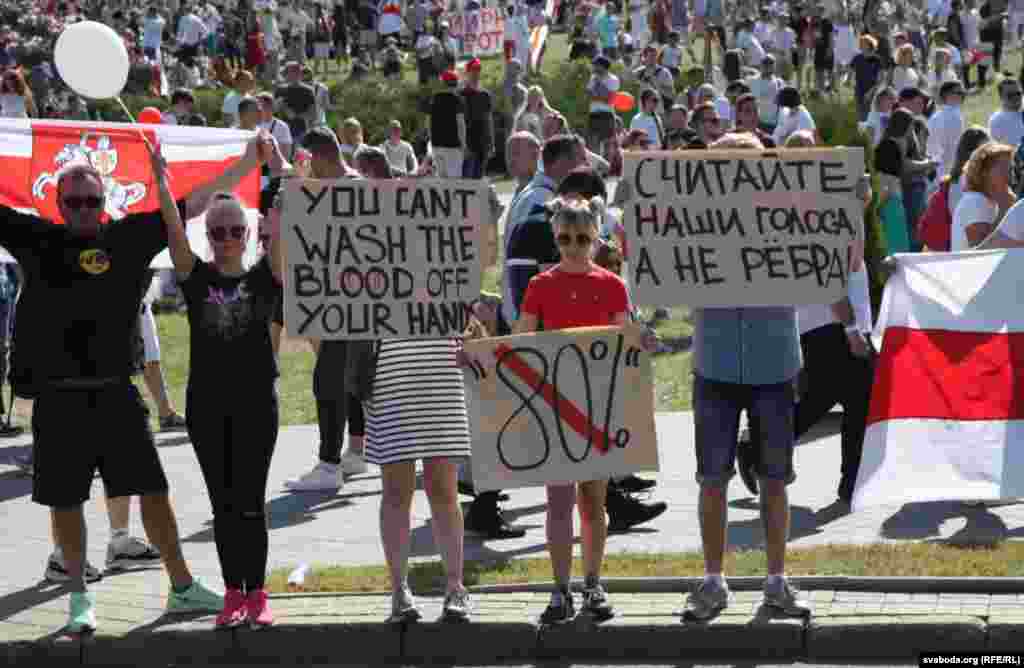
(380, 259)
(742, 227)
(560, 406)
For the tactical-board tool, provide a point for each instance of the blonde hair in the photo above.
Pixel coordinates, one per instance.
(977, 168)
(577, 211)
(800, 139)
(905, 50)
(747, 140)
(351, 131)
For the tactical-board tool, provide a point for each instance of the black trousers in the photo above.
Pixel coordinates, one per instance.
(332, 415)
(234, 434)
(835, 376)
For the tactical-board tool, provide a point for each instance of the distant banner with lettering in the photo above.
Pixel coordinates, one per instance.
(480, 32)
(741, 227)
(560, 406)
(379, 259)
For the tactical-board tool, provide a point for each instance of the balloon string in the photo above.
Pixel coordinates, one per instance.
(125, 110)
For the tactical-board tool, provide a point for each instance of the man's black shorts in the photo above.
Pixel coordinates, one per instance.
(77, 431)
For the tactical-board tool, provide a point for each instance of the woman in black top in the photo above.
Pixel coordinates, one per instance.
(231, 399)
(894, 162)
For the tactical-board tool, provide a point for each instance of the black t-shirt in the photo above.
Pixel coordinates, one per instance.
(444, 129)
(889, 158)
(479, 120)
(299, 97)
(79, 309)
(823, 53)
(229, 323)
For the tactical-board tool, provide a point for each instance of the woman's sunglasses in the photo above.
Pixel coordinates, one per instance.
(220, 232)
(581, 240)
(75, 203)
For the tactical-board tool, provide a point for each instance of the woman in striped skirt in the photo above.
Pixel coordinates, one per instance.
(417, 411)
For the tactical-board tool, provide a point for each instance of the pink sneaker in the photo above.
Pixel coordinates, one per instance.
(260, 615)
(233, 613)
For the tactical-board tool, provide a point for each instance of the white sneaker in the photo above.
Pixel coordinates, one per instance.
(129, 552)
(353, 463)
(323, 477)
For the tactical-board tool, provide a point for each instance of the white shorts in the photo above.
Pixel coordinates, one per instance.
(150, 340)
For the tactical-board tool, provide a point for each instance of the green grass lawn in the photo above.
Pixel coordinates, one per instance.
(910, 559)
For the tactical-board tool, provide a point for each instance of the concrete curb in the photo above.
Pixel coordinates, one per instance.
(887, 585)
(627, 637)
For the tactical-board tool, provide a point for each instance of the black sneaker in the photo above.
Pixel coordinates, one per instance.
(746, 461)
(625, 512)
(486, 521)
(595, 602)
(560, 610)
(632, 484)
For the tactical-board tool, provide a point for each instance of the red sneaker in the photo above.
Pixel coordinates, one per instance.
(258, 605)
(234, 610)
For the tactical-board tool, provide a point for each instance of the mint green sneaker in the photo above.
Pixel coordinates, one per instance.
(82, 615)
(197, 598)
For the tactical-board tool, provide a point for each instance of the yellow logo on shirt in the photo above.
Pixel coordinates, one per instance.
(94, 260)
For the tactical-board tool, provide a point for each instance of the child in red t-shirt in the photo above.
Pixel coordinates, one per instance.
(575, 293)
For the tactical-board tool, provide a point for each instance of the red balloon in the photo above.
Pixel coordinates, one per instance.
(623, 102)
(150, 115)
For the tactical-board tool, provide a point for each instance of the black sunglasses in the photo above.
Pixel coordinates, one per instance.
(75, 203)
(220, 232)
(581, 239)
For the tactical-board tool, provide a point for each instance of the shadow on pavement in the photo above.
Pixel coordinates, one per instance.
(921, 521)
(29, 597)
(173, 441)
(749, 534)
(14, 485)
(290, 510)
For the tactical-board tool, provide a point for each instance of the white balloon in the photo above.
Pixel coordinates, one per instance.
(92, 59)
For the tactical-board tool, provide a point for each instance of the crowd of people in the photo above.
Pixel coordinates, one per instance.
(941, 186)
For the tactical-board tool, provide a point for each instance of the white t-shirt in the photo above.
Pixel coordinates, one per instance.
(153, 32)
(610, 83)
(751, 48)
(792, 120)
(1007, 127)
(905, 77)
(1013, 223)
(974, 207)
(282, 133)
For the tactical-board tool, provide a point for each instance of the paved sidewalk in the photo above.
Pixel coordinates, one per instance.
(343, 529)
(349, 629)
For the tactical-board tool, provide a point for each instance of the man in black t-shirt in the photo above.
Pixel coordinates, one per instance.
(73, 355)
(824, 58)
(448, 128)
(479, 124)
(296, 101)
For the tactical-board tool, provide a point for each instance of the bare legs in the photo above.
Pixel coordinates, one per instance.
(593, 527)
(439, 482)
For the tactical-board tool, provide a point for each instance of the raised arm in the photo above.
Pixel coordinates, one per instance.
(177, 240)
(259, 150)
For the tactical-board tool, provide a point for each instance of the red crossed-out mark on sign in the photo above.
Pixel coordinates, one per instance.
(568, 411)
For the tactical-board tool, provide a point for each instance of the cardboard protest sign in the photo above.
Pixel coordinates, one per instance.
(742, 227)
(480, 32)
(379, 259)
(560, 406)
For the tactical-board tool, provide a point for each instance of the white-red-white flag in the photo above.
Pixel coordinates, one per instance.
(947, 407)
(32, 153)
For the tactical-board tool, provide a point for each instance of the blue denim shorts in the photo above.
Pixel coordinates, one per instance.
(717, 406)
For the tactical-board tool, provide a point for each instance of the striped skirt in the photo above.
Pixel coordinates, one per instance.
(418, 409)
